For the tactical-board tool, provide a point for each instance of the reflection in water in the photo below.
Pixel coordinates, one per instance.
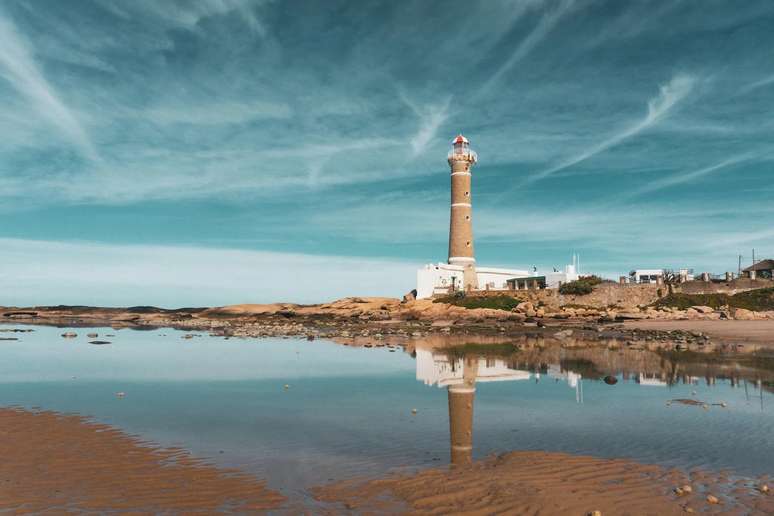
(460, 368)
(459, 375)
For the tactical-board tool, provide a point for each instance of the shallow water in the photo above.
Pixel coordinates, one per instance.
(347, 411)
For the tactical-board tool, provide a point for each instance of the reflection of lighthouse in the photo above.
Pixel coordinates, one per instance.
(461, 398)
(461, 159)
(459, 375)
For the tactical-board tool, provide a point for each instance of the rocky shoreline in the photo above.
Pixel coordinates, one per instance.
(386, 321)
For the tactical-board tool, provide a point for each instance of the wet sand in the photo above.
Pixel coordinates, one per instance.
(549, 483)
(65, 464)
(731, 331)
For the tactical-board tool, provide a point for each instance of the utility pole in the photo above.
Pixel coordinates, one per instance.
(739, 271)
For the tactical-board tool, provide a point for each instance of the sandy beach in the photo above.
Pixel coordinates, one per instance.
(731, 331)
(551, 483)
(66, 464)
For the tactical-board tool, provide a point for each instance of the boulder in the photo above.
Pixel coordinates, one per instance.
(743, 314)
(703, 309)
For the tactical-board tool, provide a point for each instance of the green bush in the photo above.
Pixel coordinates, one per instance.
(506, 303)
(580, 287)
(758, 300)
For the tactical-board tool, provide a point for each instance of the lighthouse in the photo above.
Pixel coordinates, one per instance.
(461, 160)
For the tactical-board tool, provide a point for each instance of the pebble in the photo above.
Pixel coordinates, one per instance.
(121, 394)
(414, 411)
(687, 489)
(287, 386)
(764, 488)
(712, 499)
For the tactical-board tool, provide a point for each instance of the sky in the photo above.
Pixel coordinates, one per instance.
(193, 153)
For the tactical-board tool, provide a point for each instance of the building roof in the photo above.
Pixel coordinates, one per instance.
(763, 265)
(460, 139)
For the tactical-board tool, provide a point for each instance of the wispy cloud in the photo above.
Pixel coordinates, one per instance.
(766, 81)
(670, 94)
(687, 177)
(431, 117)
(546, 24)
(18, 66)
(216, 113)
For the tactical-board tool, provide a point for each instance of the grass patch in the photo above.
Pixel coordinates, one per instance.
(756, 300)
(506, 303)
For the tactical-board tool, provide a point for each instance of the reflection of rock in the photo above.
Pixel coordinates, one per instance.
(611, 380)
(99, 342)
(69, 335)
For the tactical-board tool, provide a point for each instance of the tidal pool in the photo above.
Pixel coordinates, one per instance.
(301, 413)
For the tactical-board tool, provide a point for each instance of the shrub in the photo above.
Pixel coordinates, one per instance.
(757, 300)
(506, 303)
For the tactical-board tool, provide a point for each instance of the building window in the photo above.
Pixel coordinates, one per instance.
(467, 217)
(467, 243)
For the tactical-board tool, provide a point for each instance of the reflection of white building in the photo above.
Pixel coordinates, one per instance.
(650, 380)
(439, 369)
(572, 379)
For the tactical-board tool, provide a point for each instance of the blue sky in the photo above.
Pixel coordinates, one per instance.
(201, 147)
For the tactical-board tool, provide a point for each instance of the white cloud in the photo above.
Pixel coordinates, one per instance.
(670, 94)
(431, 117)
(18, 66)
(546, 24)
(685, 177)
(44, 272)
(220, 113)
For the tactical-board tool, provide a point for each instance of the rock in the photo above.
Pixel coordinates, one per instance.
(286, 387)
(92, 335)
(525, 306)
(69, 335)
(703, 309)
(687, 489)
(763, 488)
(540, 312)
(712, 499)
(563, 334)
(120, 394)
(530, 313)
(595, 513)
(679, 491)
(414, 411)
(743, 314)
(411, 296)
(610, 380)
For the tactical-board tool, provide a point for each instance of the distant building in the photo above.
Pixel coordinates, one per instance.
(763, 269)
(646, 275)
(661, 275)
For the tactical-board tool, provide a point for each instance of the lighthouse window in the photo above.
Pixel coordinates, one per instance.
(467, 194)
(467, 244)
(467, 217)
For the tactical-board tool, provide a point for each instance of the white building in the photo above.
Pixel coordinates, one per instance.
(656, 275)
(444, 278)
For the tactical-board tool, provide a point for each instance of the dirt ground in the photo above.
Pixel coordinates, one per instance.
(733, 331)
